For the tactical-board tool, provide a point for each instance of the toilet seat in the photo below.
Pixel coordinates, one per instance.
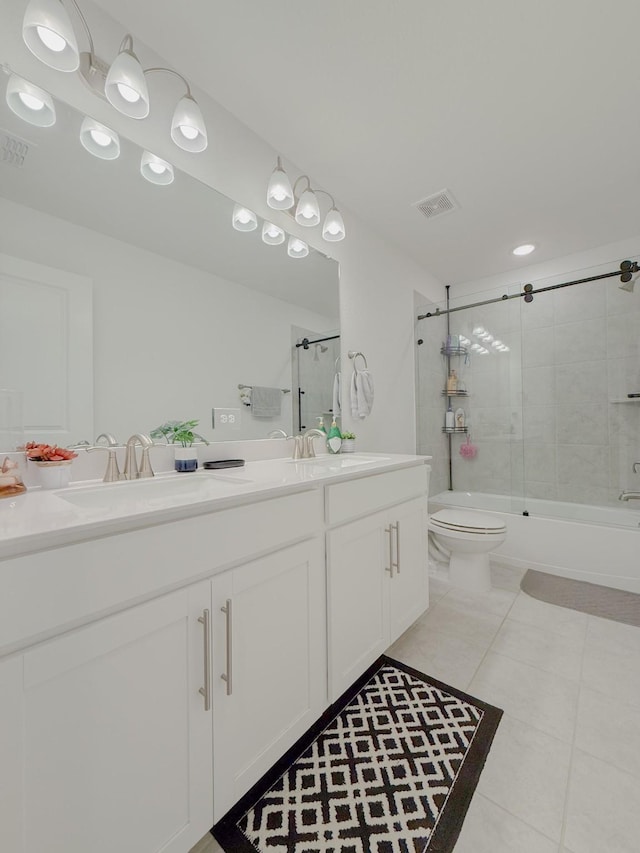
(465, 521)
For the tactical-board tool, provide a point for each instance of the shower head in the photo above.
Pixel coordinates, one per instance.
(319, 348)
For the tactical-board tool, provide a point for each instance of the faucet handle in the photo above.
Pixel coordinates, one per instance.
(112, 474)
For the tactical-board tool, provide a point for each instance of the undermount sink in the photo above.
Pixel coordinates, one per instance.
(153, 491)
(342, 460)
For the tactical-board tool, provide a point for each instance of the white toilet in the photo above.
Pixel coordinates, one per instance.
(469, 536)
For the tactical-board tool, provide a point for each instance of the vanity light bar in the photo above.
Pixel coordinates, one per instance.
(35, 106)
(282, 196)
(48, 33)
(244, 219)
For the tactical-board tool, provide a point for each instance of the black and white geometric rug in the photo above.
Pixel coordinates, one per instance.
(390, 768)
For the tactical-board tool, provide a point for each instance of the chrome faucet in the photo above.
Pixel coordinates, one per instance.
(110, 440)
(131, 471)
(278, 433)
(307, 442)
(629, 496)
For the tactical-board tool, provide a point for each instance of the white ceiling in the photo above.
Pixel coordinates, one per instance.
(527, 113)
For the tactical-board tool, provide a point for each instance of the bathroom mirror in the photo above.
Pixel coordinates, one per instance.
(124, 303)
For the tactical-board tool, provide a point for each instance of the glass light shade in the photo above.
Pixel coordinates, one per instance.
(279, 190)
(272, 235)
(244, 219)
(99, 140)
(187, 126)
(297, 248)
(30, 102)
(126, 87)
(333, 228)
(156, 170)
(308, 209)
(48, 33)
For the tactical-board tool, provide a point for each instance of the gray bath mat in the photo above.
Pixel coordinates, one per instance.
(589, 598)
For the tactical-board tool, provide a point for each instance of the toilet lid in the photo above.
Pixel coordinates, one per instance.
(468, 521)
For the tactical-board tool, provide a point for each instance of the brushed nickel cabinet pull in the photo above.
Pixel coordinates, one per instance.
(227, 676)
(391, 563)
(396, 527)
(205, 691)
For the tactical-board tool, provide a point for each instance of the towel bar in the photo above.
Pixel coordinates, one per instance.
(284, 390)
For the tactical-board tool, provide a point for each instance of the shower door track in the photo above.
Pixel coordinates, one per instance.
(627, 270)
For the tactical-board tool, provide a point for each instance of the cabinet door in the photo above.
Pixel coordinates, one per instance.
(117, 742)
(358, 561)
(270, 646)
(11, 756)
(408, 590)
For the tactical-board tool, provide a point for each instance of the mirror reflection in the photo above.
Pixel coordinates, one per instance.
(125, 303)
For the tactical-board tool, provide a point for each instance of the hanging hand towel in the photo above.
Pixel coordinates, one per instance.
(265, 402)
(336, 394)
(361, 394)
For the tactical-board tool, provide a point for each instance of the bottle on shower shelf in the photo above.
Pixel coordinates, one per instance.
(449, 418)
(452, 381)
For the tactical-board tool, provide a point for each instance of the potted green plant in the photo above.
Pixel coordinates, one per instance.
(181, 434)
(348, 442)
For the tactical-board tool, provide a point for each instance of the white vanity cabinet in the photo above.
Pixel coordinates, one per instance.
(377, 568)
(115, 738)
(269, 663)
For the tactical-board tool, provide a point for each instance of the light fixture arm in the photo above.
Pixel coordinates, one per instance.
(302, 178)
(175, 74)
(324, 192)
(85, 25)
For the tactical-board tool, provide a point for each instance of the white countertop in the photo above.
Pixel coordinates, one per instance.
(43, 519)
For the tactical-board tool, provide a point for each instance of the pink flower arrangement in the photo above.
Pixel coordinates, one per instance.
(48, 453)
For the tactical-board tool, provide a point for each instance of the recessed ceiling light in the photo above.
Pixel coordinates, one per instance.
(525, 249)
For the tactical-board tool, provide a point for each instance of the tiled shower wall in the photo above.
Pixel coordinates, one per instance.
(545, 415)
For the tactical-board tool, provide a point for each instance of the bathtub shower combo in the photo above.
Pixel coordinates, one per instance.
(529, 403)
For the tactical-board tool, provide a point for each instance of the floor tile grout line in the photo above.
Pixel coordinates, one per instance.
(493, 639)
(565, 810)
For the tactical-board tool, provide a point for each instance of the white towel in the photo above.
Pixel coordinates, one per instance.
(337, 407)
(361, 394)
(266, 402)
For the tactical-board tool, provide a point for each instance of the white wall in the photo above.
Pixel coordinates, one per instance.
(377, 280)
(170, 341)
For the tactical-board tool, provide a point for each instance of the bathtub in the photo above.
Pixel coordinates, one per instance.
(589, 543)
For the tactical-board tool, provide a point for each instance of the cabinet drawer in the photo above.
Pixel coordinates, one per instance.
(356, 498)
(62, 587)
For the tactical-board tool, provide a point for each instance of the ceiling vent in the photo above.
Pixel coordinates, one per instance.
(437, 204)
(13, 150)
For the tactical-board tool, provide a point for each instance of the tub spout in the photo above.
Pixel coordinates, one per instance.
(629, 496)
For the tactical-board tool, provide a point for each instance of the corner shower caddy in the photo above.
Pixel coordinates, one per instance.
(448, 353)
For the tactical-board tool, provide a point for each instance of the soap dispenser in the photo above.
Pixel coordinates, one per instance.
(334, 441)
(320, 426)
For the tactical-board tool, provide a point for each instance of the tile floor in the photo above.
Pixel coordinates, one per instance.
(563, 775)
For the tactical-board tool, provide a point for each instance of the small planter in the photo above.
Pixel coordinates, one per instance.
(186, 459)
(348, 445)
(54, 475)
